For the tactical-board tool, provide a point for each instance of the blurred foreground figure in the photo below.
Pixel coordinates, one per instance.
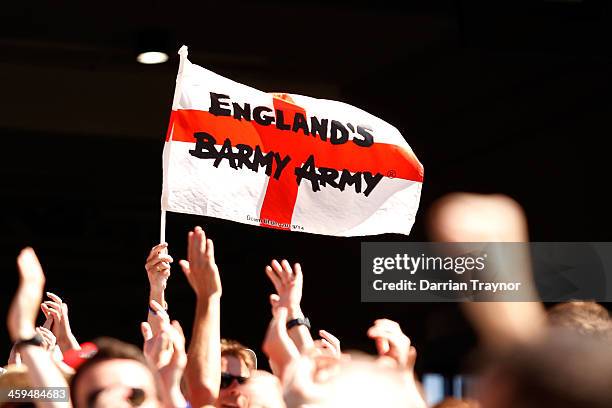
(562, 370)
(359, 382)
(456, 403)
(466, 217)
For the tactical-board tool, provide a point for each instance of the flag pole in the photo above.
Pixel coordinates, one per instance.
(162, 227)
(166, 156)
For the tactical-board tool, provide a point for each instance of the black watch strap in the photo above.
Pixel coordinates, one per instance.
(37, 340)
(299, 321)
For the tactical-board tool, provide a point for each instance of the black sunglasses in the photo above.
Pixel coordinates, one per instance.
(227, 379)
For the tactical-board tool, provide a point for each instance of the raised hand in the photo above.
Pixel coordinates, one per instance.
(200, 268)
(49, 339)
(157, 346)
(158, 271)
(166, 352)
(57, 310)
(22, 314)
(288, 283)
(329, 343)
(42, 370)
(392, 343)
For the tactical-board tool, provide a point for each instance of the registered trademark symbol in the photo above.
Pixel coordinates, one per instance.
(391, 173)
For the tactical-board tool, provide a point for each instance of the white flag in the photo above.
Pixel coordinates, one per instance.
(285, 161)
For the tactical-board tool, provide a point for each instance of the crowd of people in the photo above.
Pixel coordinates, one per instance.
(529, 357)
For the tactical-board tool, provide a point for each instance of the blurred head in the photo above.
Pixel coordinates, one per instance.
(237, 362)
(562, 370)
(263, 390)
(359, 382)
(456, 403)
(116, 376)
(15, 377)
(588, 318)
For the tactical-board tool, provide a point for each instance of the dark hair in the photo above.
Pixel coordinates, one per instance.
(108, 349)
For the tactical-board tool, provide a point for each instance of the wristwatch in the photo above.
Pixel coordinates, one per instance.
(299, 321)
(37, 340)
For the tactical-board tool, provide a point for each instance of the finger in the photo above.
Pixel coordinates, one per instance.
(154, 264)
(157, 249)
(53, 306)
(45, 309)
(166, 258)
(287, 275)
(196, 247)
(274, 299)
(55, 314)
(160, 311)
(377, 332)
(47, 335)
(327, 345)
(185, 267)
(274, 278)
(412, 356)
(190, 253)
(388, 324)
(201, 243)
(48, 322)
(44, 331)
(65, 309)
(330, 338)
(210, 250)
(179, 329)
(147, 332)
(297, 272)
(54, 298)
(382, 346)
(278, 270)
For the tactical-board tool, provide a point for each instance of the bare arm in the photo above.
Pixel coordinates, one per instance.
(464, 217)
(203, 370)
(289, 283)
(42, 371)
(158, 271)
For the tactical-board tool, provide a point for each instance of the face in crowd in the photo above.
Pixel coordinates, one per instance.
(234, 372)
(117, 383)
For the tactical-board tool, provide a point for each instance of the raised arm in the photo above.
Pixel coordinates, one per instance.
(158, 271)
(203, 371)
(289, 283)
(57, 310)
(42, 371)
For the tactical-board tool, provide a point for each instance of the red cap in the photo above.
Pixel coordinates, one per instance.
(74, 358)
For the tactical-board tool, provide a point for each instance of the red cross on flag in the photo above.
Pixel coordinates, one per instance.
(285, 161)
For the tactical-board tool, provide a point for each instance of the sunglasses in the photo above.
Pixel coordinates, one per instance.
(227, 379)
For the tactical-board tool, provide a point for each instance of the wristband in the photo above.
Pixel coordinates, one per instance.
(297, 322)
(37, 340)
(152, 311)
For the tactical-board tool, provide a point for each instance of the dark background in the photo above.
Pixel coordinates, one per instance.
(498, 96)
